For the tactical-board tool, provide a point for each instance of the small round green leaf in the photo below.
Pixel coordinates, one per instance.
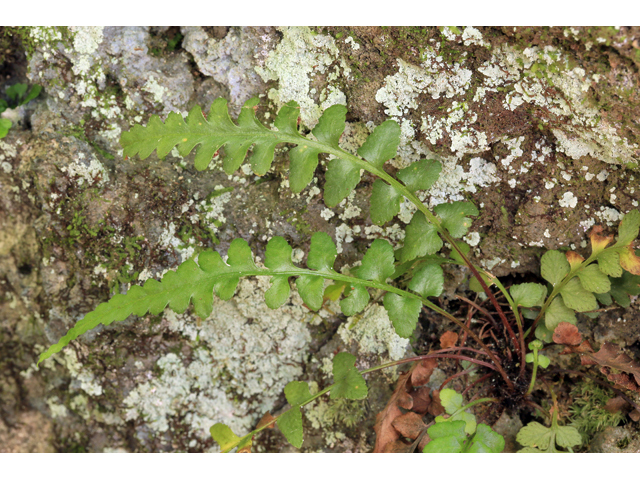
(403, 313)
(348, 381)
(357, 298)
(554, 266)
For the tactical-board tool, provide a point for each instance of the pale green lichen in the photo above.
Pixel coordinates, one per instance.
(300, 56)
(56, 409)
(585, 133)
(88, 170)
(153, 87)
(244, 355)
(372, 333)
(433, 77)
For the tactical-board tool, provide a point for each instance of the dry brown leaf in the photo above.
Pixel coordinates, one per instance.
(448, 339)
(567, 334)
(610, 356)
(421, 400)
(635, 415)
(584, 347)
(266, 419)
(621, 379)
(397, 446)
(404, 400)
(421, 373)
(387, 436)
(435, 407)
(615, 404)
(409, 425)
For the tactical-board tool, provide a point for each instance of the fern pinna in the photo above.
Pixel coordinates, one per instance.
(573, 281)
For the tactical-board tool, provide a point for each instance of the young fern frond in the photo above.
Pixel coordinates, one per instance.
(577, 283)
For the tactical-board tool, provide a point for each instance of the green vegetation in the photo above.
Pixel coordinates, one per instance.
(449, 435)
(536, 438)
(523, 312)
(19, 94)
(591, 411)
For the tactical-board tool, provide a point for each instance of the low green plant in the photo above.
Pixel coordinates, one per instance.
(459, 431)
(536, 438)
(432, 239)
(590, 410)
(19, 94)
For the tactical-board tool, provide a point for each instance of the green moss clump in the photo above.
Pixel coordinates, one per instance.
(588, 413)
(346, 412)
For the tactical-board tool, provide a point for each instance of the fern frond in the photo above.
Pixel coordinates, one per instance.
(195, 283)
(343, 171)
(219, 131)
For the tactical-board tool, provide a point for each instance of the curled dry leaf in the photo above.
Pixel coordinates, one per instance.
(409, 425)
(448, 339)
(567, 334)
(621, 379)
(421, 373)
(421, 400)
(388, 438)
(435, 407)
(404, 400)
(610, 357)
(386, 434)
(584, 347)
(397, 446)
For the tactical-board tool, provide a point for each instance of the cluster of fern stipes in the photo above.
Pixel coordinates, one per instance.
(504, 345)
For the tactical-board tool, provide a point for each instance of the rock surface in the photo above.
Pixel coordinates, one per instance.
(538, 127)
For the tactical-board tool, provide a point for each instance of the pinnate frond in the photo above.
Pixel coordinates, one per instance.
(195, 283)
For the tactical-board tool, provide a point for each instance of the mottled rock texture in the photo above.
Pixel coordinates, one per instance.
(539, 127)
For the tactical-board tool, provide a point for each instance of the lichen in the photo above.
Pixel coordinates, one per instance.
(244, 355)
(300, 56)
(372, 333)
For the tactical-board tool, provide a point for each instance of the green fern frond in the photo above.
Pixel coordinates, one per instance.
(343, 171)
(219, 131)
(195, 283)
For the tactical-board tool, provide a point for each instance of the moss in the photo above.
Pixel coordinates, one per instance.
(165, 42)
(346, 412)
(80, 132)
(26, 36)
(588, 413)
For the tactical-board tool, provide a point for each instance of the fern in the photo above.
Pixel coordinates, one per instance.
(576, 284)
(195, 283)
